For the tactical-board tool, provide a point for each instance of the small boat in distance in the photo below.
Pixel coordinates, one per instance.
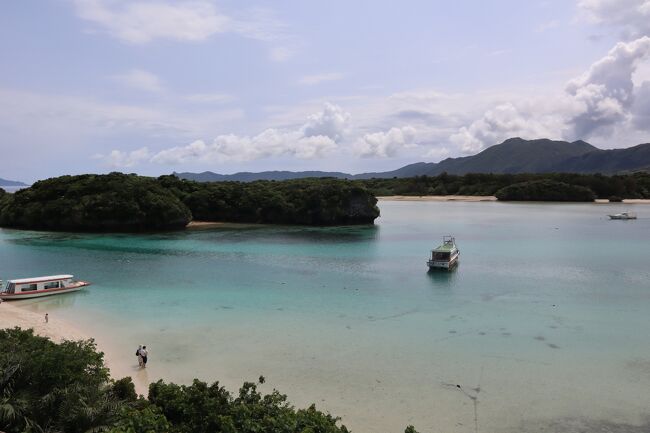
(623, 216)
(446, 256)
(26, 288)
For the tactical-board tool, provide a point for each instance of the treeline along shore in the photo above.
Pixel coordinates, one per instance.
(514, 187)
(128, 202)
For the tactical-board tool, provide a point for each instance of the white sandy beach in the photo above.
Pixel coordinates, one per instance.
(58, 330)
(478, 198)
(467, 198)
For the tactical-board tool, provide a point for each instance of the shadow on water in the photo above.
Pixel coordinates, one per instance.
(43, 304)
(152, 243)
(295, 234)
(443, 278)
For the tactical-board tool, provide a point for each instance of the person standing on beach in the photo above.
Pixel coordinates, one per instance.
(144, 354)
(138, 353)
(47, 318)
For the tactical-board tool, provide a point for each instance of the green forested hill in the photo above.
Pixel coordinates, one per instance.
(120, 202)
(513, 156)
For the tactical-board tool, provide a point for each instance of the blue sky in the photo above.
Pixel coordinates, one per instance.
(159, 86)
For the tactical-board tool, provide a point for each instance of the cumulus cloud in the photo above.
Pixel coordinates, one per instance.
(196, 20)
(386, 144)
(632, 16)
(497, 124)
(593, 104)
(331, 122)
(141, 80)
(316, 138)
(311, 80)
(605, 93)
(119, 159)
(437, 153)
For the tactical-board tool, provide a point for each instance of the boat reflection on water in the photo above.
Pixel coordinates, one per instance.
(50, 303)
(444, 277)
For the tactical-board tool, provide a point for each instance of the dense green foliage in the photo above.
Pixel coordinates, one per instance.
(545, 190)
(120, 202)
(114, 201)
(324, 201)
(635, 185)
(48, 388)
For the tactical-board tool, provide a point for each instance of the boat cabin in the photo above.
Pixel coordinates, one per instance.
(446, 255)
(40, 286)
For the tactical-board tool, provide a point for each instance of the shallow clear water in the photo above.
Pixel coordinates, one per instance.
(544, 325)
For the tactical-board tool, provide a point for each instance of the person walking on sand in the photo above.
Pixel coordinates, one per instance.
(47, 318)
(138, 353)
(144, 354)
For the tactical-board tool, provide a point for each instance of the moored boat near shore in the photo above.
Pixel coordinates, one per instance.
(26, 288)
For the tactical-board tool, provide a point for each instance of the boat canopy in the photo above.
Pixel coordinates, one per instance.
(41, 279)
(448, 245)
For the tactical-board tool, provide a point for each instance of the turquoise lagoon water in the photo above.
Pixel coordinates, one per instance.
(545, 325)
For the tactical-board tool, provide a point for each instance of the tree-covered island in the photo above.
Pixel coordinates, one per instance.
(128, 202)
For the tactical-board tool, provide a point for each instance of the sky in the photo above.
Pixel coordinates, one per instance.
(156, 86)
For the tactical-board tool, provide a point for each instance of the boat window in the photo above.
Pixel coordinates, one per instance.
(441, 256)
(11, 287)
(51, 285)
(28, 287)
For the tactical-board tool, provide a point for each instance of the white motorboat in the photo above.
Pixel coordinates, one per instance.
(26, 288)
(623, 216)
(446, 256)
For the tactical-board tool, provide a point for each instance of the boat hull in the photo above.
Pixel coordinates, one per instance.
(443, 265)
(40, 293)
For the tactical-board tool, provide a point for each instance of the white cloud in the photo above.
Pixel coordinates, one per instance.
(141, 80)
(593, 105)
(314, 139)
(499, 123)
(386, 144)
(118, 159)
(437, 153)
(331, 122)
(605, 93)
(140, 22)
(311, 80)
(632, 16)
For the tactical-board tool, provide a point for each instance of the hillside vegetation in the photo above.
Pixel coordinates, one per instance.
(635, 185)
(121, 202)
(48, 387)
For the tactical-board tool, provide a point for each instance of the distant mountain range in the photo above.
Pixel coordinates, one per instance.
(5, 182)
(514, 155)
